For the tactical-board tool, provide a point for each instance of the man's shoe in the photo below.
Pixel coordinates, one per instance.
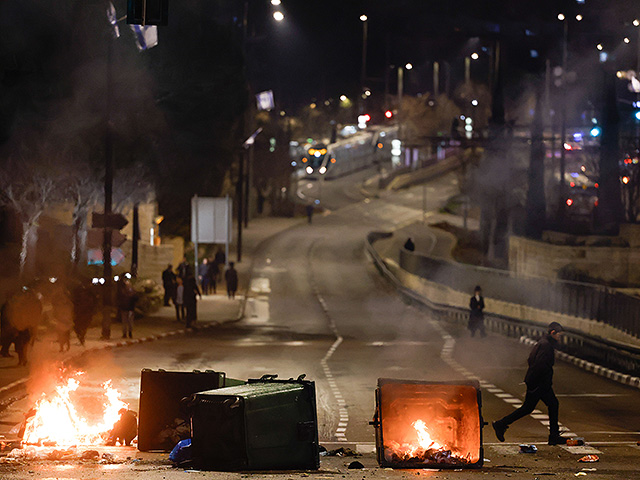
(557, 440)
(499, 428)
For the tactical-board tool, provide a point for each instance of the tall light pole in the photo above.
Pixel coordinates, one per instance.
(563, 119)
(363, 69)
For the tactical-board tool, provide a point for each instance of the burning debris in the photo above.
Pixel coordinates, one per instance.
(425, 450)
(66, 417)
(428, 424)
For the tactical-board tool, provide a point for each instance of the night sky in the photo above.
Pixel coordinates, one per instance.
(315, 53)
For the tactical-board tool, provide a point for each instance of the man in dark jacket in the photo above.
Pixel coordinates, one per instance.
(169, 284)
(539, 379)
(476, 316)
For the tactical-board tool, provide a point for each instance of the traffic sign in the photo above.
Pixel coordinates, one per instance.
(95, 238)
(112, 220)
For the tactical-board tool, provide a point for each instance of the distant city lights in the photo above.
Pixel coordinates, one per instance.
(363, 18)
(474, 56)
(275, 3)
(278, 16)
(408, 66)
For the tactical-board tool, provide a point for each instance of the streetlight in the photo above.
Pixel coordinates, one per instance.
(278, 16)
(363, 68)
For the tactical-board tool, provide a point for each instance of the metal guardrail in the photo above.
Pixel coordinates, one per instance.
(621, 358)
(583, 300)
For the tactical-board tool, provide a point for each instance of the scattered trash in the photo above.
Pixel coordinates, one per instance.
(589, 469)
(579, 474)
(589, 458)
(90, 455)
(355, 464)
(575, 442)
(181, 453)
(528, 448)
(340, 452)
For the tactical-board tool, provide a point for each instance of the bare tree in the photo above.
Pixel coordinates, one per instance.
(27, 188)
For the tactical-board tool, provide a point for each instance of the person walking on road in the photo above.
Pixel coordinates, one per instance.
(178, 299)
(169, 284)
(231, 277)
(191, 291)
(539, 379)
(409, 246)
(476, 316)
(127, 298)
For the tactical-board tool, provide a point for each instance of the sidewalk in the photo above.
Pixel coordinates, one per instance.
(213, 310)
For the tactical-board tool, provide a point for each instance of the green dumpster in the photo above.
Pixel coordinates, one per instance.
(267, 424)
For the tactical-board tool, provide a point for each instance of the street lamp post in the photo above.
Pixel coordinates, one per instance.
(363, 68)
(563, 119)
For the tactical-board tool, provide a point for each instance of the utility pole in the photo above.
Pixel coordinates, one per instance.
(108, 197)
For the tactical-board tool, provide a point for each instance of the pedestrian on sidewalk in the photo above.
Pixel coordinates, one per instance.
(184, 268)
(203, 275)
(309, 209)
(84, 306)
(231, 278)
(191, 292)
(127, 298)
(169, 284)
(178, 299)
(539, 381)
(219, 261)
(476, 315)
(212, 276)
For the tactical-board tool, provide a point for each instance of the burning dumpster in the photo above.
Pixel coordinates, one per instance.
(160, 416)
(266, 424)
(428, 424)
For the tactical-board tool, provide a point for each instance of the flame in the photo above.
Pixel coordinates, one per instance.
(57, 420)
(424, 439)
(424, 449)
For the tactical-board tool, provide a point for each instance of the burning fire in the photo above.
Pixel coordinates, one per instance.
(424, 450)
(57, 421)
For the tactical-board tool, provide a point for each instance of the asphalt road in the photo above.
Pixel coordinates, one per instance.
(320, 308)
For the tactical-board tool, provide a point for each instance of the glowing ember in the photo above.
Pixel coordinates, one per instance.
(424, 450)
(57, 420)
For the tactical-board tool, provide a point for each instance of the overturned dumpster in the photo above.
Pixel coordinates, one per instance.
(162, 422)
(267, 424)
(428, 424)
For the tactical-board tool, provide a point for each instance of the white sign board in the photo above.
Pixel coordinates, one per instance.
(211, 220)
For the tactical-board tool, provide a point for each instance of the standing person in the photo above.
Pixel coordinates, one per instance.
(212, 276)
(127, 298)
(191, 292)
(84, 306)
(309, 209)
(231, 277)
(169, 284)
(476, 316)
(220, 259)
(183, 268)
(539, 381)
(203, 275)
(178, 299)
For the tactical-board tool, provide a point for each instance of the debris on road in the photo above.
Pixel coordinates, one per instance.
(355, 465)
(589, 459)
(528, 448)
(575, 442)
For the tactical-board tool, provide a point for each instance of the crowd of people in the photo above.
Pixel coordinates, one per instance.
(186, 284)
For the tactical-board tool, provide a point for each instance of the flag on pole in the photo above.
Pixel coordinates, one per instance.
(146, 36)
(113, 19)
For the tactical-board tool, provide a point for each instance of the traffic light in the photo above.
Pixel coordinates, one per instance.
(388, 114)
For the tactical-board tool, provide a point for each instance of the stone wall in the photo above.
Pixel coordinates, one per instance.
(606, 263)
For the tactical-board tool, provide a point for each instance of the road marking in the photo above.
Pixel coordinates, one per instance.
(594, 395)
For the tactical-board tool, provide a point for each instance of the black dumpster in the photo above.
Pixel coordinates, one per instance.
(160, 420)
(267, 424)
